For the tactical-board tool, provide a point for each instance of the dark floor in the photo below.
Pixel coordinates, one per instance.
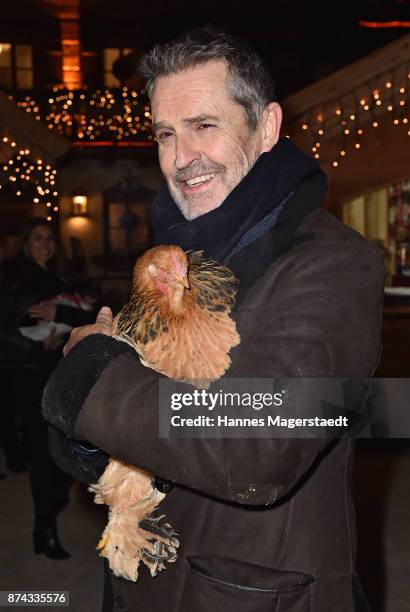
(382, 478)
(80, 526)
(382, 493)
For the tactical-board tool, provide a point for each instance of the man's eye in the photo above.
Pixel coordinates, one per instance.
(205, 126)
(163, 136)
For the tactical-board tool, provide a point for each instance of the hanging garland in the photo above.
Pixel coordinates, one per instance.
(87, 116)
(347, 120)
(35, 178)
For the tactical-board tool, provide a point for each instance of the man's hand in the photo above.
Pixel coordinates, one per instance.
(103, 325)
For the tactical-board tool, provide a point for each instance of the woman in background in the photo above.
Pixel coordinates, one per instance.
(43, 307)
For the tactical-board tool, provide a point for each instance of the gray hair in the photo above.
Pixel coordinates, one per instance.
(250, 83)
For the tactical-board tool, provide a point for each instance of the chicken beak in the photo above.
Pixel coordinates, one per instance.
(184, 280)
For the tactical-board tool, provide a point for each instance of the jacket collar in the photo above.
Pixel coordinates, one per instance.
(251, 262)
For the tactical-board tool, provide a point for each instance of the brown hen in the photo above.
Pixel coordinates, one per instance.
(178, 322)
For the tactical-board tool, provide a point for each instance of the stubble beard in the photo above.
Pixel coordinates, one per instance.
(188, 205)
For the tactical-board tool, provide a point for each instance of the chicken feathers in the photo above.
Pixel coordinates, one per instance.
(184, 335)
(177, 320)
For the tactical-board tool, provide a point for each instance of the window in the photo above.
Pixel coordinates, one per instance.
(6, 63)
(383, 216)
(125, 223)
(127, 232)
(16, 66)
(110, 56)
(368, 214)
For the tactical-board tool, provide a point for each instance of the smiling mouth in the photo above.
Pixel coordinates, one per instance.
(199, 180)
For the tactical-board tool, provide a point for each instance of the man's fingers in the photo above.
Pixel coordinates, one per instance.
(104, 317)
(74, 337)
(102, 325)
(103, 322)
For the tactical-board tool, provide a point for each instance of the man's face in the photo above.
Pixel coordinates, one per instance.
(205, 145)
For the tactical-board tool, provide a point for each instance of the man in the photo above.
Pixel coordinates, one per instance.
(264, 524)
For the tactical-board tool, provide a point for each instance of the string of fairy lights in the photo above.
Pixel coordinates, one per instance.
(80, 115)
(334, 130)
(31, 177)
(125, 115)
(339, 127)
(84, 115)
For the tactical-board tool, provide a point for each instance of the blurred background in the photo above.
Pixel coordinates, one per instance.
(76, 149)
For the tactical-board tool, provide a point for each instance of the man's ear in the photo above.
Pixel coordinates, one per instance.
(271, 123)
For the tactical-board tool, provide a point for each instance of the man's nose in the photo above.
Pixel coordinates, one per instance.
(185, 152)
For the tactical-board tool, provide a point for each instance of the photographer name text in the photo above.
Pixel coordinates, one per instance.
(210, 402)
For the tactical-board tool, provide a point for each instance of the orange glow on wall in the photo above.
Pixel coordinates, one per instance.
(68, 14)
(71, 54)
(385, 24)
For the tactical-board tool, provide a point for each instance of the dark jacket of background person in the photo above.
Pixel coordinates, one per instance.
(264, 524)
(27, 283)
(29, 366)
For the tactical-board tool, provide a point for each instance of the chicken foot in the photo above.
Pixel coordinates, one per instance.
(165, 545)
(131, 534)
(125, 555)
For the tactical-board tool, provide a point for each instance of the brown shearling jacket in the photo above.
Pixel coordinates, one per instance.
(286, 543)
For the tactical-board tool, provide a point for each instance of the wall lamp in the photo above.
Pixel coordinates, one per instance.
(79, 204)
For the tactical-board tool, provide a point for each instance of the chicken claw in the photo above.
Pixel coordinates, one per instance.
(164, 548)
(154, 545)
